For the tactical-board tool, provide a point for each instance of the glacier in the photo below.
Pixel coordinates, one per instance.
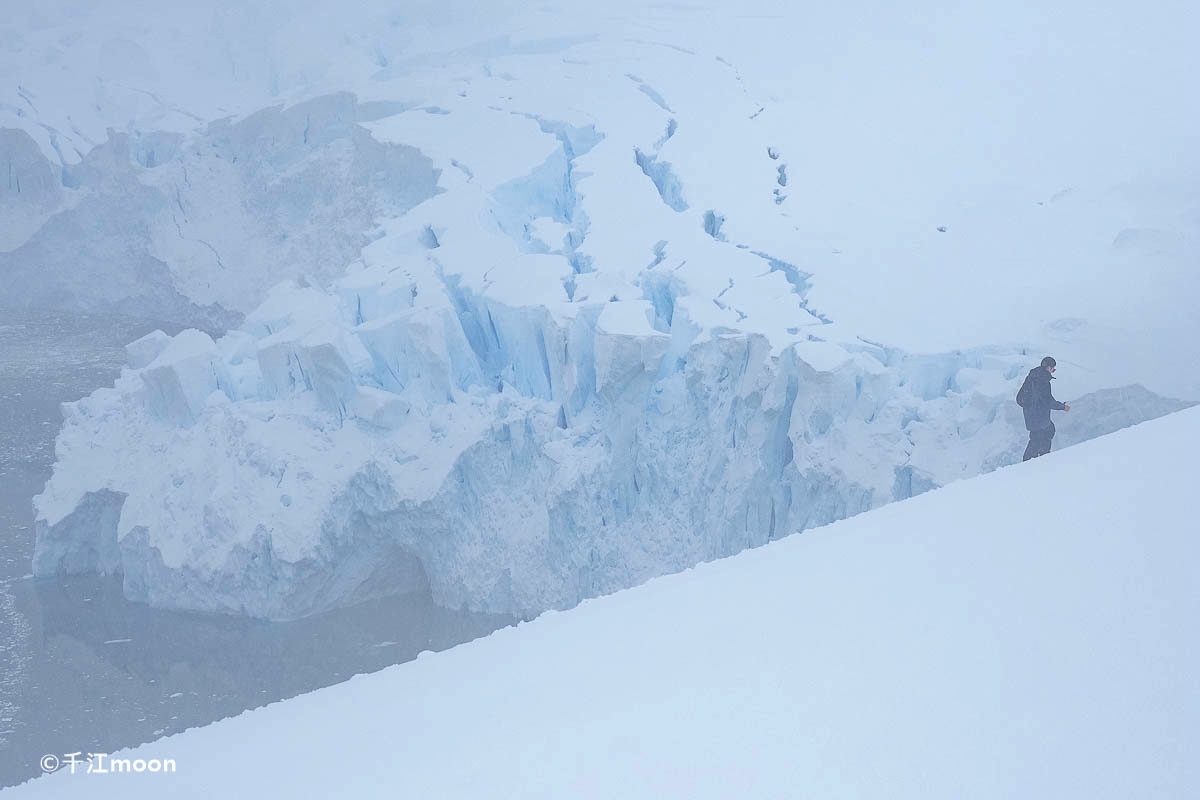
(400, 434)
(522, 306)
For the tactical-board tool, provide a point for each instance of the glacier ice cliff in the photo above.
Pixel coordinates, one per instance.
(400, 433)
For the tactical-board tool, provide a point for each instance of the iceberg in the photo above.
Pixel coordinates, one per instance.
(402, 431)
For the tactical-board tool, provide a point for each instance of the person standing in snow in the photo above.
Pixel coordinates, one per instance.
(1036, 400)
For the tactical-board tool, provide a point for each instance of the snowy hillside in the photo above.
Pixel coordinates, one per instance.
(532, 304)
(1030, 633)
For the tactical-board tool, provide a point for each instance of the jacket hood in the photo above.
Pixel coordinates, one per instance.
(1040, 374)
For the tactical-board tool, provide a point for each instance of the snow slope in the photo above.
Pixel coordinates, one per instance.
(1030, 633)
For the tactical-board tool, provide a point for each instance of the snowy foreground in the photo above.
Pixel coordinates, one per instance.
(1030, 633)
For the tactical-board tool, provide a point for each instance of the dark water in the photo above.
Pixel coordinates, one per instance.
(45, 359)
(82, 669)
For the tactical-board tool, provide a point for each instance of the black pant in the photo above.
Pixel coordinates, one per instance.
(1039, 442)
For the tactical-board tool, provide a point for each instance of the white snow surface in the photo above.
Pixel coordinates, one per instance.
(532, 303)
(1030, 633)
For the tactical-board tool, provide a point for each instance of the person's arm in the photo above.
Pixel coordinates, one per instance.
(1047, 397)
(1054, 404)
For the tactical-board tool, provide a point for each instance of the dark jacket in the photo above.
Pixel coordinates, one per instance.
(1040, 402)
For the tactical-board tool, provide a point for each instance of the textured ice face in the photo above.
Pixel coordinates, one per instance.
(567, 309)
(399, 432)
